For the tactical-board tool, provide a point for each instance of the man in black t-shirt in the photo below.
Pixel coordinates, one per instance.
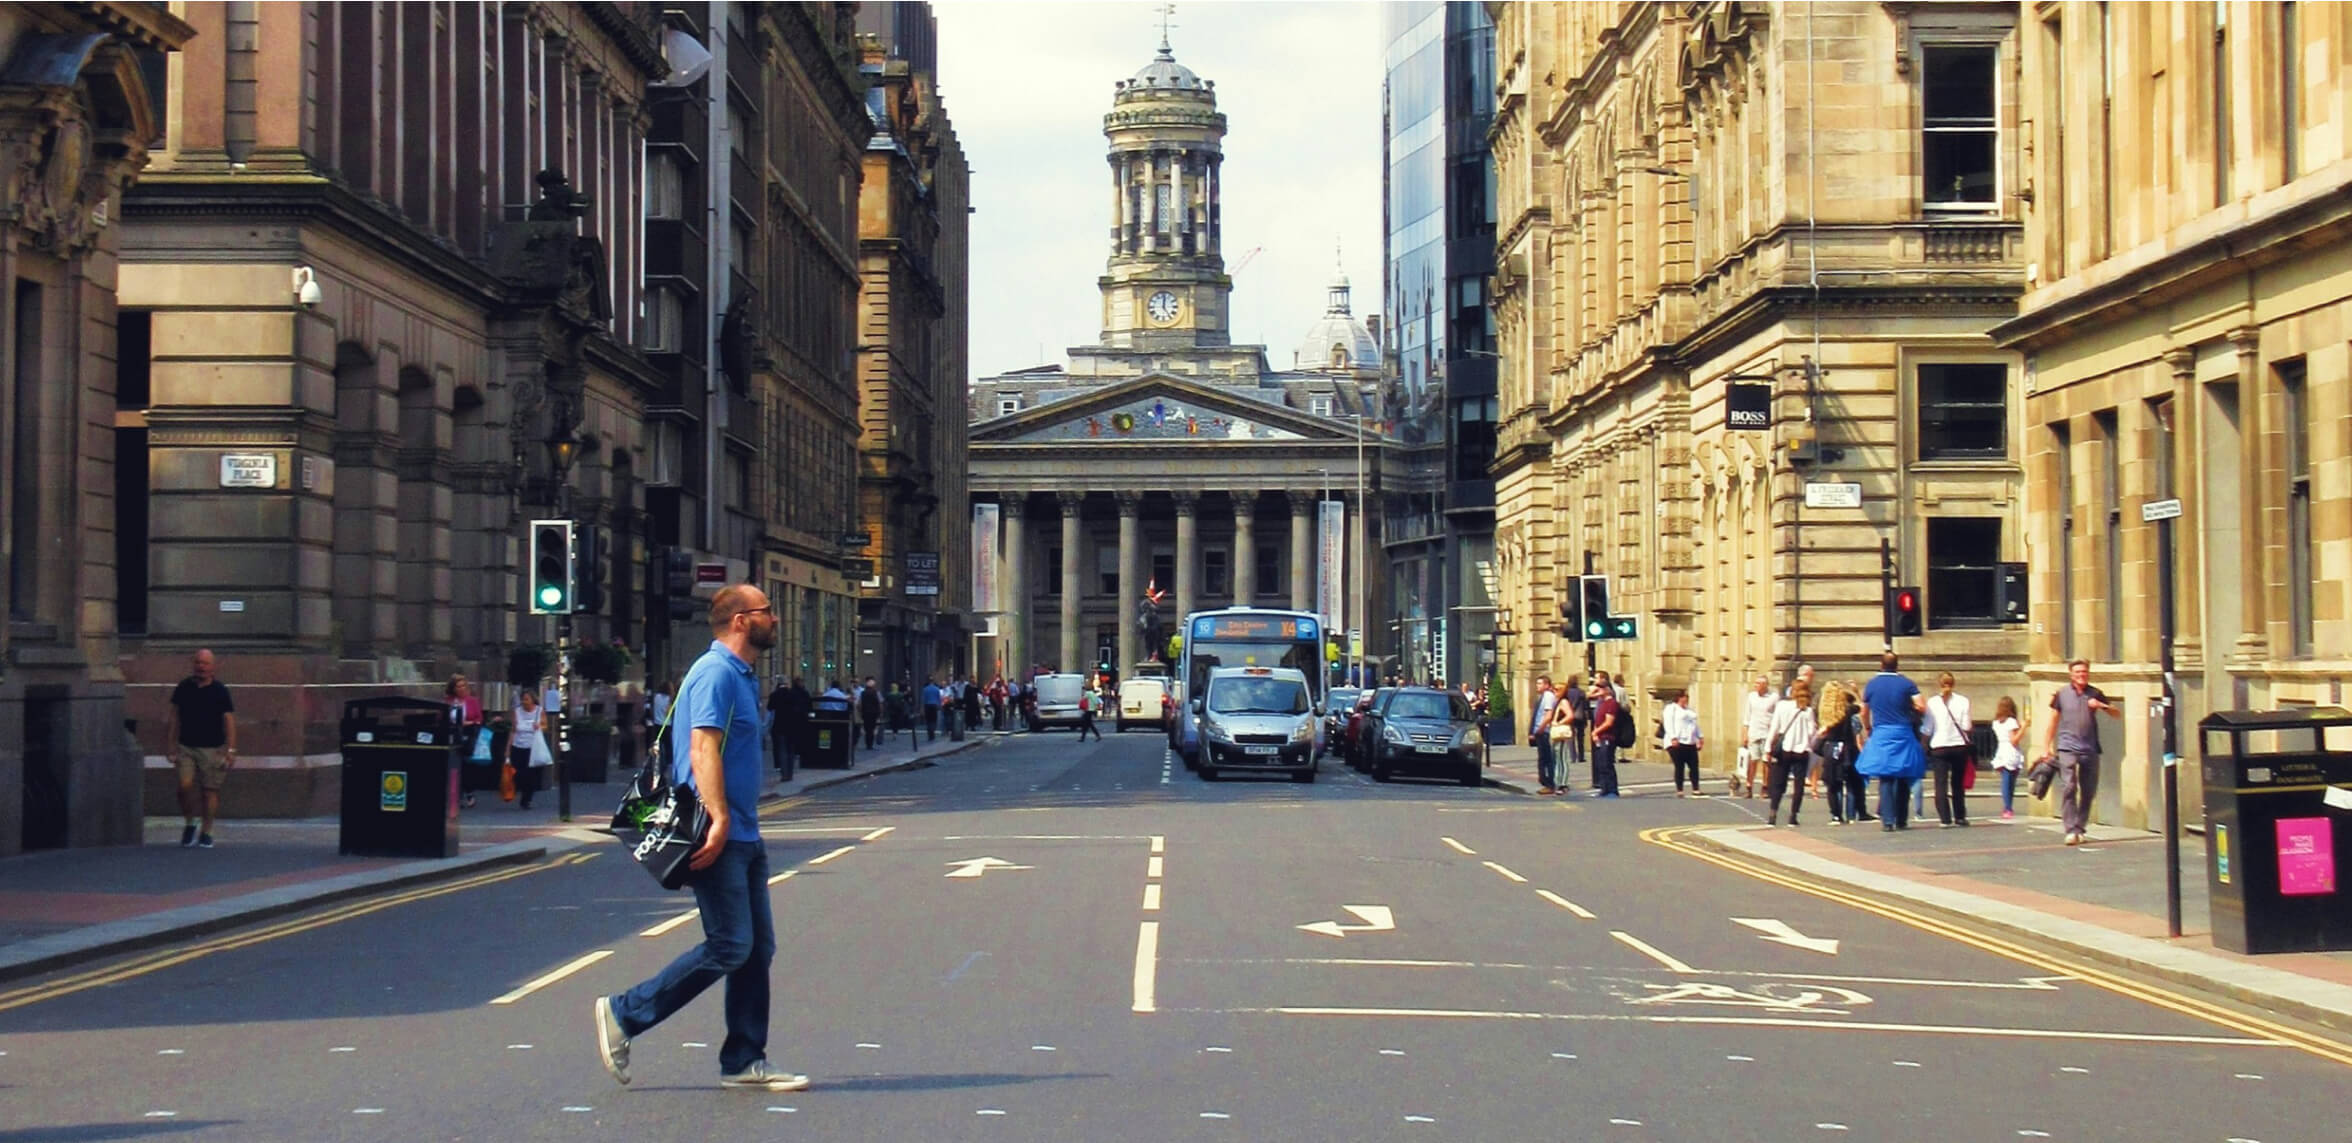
(200, 736)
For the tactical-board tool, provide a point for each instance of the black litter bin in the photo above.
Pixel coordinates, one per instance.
(2278, 828)
(400, 778)
(831, 730)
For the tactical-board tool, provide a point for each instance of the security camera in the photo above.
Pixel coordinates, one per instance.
(306, 288)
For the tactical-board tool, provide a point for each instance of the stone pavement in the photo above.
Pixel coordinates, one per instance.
(62, 907)
(1513, 768)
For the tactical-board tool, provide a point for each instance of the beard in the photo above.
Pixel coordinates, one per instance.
(762, 635)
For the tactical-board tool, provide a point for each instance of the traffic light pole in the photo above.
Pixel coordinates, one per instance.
(2168, 710)
(1886, 593)
(1591, 653)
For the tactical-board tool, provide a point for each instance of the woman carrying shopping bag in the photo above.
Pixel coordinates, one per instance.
(527, 753)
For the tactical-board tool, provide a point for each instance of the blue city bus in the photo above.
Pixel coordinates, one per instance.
(1242, 637)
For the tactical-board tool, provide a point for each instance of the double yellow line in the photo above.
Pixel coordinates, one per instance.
(1672, 838)
(181, 954)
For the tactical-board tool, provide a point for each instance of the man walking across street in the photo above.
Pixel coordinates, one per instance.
(200, 734)
(1539, 733)
(1606, 712)
(1683, 742)
(869, 709)
(2073, 741)
(718, 704)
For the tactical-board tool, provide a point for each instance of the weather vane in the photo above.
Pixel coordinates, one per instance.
(1167, 20)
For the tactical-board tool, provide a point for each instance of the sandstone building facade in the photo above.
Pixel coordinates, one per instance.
(1817, 199)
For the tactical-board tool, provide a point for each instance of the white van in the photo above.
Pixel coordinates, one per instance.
(1141, 703)
(1057, 700)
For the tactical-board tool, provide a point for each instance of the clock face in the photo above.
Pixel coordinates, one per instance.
(1162, 308)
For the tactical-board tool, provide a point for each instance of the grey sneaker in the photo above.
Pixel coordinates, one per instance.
(187, 837)
(611, 1046)
(760, 1077)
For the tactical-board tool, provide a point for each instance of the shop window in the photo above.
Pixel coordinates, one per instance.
(1963, 411)
(1961, 133)
(1963, 571)
(2300, 562)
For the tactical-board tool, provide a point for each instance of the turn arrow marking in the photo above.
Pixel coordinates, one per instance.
(1779, 932)
(1376, 918)
(975, 866)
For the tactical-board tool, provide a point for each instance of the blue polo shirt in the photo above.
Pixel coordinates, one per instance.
(719, 693)
(930, 695)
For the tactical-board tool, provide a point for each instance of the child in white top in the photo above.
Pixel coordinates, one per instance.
(2008, 753)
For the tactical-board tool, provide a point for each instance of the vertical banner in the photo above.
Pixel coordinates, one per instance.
(1331, 564)
(984, 517)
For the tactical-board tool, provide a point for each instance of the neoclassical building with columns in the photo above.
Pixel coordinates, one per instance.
(1165, 455)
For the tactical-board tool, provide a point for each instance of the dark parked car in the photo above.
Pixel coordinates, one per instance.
(1336, 707)
(1352, 734)
(1427, 733)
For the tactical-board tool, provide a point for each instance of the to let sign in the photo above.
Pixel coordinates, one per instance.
(249, 470)
(922, 573)
(1747, 405)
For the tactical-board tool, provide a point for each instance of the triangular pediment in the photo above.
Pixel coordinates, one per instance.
(1159, 408)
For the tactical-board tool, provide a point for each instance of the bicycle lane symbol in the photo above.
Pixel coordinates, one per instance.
(1773, 996)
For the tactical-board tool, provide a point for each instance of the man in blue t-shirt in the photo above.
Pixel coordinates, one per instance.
(719, 758)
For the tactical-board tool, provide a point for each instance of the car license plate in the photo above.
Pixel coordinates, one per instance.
(1260, 749)
(1431, 749)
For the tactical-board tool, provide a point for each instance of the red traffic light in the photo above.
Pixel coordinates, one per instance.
(1906, 601)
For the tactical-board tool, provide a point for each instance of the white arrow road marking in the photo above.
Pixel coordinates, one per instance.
(1779, 932)
(974, 867)
(1376, 918)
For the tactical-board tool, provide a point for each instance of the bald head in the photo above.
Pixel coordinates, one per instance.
(201, 665)
(733, 600)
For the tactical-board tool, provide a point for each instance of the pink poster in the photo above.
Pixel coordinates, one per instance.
(2307, 857)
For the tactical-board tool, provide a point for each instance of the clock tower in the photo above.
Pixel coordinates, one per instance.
(1165, 288)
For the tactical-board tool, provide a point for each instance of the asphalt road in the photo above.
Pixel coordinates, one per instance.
(1480, 965)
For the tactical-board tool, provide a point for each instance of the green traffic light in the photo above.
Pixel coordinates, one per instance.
(1595, 629)
(550, 595)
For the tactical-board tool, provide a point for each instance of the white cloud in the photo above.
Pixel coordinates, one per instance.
(1027, 86)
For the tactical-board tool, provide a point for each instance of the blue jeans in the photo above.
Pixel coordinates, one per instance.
(1547, 760)
(1894, 802)
(1604, 768)
(738, 942)
(2008, 791)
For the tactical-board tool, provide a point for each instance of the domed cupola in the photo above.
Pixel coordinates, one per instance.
(1338, 342)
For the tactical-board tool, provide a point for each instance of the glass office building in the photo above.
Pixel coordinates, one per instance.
(1439, 221)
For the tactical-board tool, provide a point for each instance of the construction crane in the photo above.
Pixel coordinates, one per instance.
(1238, 267)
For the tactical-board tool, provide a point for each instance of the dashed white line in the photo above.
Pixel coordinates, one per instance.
(1419, 1119)
(989, 1111)
(678, 920)
(1214, 1115)
(1505, 871)
(785, 1110)
(1159, 843)
(2076, 1070)
(1153, 867)
(367, 1111)
(879, 834)
(161, 1114)
(346, 1049)
(1459, 847)
(1626, 1122)
(1831, 1126)
(1563, 1055)
(1907, 1063)
(2246, 1076)
(831, 856)
(171, 1051)
(870, 1046)
(694, 1044)
(552, 977)
(1042, 1048)
(518, 1047)
(1390, 1052)
(783, 877)
(1224, 1050)
(577, 1109)
(1742, 1059)
(1638, 945)
(2032, 1134)
(1151, 898)
(1147, 966)
(1565, 903)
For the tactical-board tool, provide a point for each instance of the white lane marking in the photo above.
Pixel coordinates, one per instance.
(1565, 903)
(1147, 967)
(988, 1111)
(674, 922)
(694, 1044)
(1225, 1050)
(1626, 1122)
(1831, 1126)
(785, 1110)
(1638, 945)
(868, 1045)
(1775, 1022)
(1040, 836)
(1159, 843)
(161, 1114)
(831, 856)
(1504, 871)
(1151, 898)
(973, 868)
(2032, 1134)
(367, 1111)
(1419, 1119)
(2246, 1076)
(1214, 1115)
(2076, 1070)
(1459, 847)
(577, 1108)
(1742, 1059)
(1779, 932)
(1376, 918)
(1907, 1063)
(1563, 1055)
(1390, 1052)
(879, 834)
(1042, 1048)
(518, 1047)
(552, 977)
(783, 877)
(171, 1051)
(1154, 867)
(330, 1049)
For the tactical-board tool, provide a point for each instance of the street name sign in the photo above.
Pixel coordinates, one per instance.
(249, 470)
(1819, 494)
(2155, 510)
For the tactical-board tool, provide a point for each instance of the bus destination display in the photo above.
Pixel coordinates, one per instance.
(1249, 627)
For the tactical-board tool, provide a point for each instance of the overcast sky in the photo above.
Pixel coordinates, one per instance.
(1027, 85)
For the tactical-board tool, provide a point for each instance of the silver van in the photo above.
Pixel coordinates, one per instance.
(1057, 700)
(1257, 718)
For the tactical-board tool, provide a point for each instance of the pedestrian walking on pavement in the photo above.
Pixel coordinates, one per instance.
(1948, 727)
(1680, 725)
(465, 709)
(1756, 719)
(526, 748)
(1539, 735)
(869, 708)
(999, 696)
(1833, 744)
(1579, 716)
(1607, 715)
(2072, 741)
(719, 759)
(1793, 726)
(1891, 753)
(200, 736)
(2008, 752)
(931, 693)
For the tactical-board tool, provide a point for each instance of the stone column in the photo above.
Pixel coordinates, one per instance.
(1072, 534)
(1245, 545)
(1015, 624)
(1122, 609)
(1118, 200)
(2258, 463)
(1187, 551)
(1302, 550)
